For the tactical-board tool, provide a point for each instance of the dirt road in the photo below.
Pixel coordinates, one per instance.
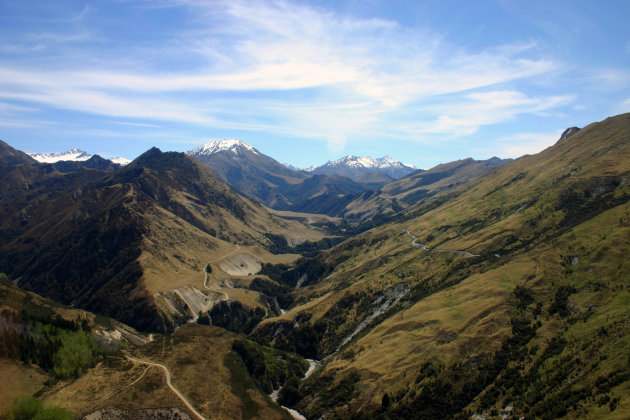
(168, 382)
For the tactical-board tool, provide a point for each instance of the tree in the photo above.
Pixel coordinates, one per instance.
(385, 401)
(208, 268)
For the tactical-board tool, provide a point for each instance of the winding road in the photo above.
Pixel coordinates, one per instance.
(168, 382)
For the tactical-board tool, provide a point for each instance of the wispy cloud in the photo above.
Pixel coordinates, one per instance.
(524, 144)
(324, 75)
(79, 16)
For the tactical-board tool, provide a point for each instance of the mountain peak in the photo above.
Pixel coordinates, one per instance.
(568, 133)
(368, 163)
(231, 145)
(354, 167)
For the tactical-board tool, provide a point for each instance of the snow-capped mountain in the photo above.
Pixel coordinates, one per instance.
(74, 155)
(356, 166)
(121, 161)
(267, 181)
(231, 145)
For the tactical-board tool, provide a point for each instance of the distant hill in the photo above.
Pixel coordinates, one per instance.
(73, 155)
(361, 168)
(356, 188)
(418, 187)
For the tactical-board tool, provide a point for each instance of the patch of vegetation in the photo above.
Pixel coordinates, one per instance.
(323, 393)
(29, 408)
(235, 316)
(281, 292)
(304, 339)
(560, 301)
(240, 382)
(524, 297)
(59, 346)
(310, 270)
(589, 197)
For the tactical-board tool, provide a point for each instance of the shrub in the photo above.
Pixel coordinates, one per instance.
(29, 408)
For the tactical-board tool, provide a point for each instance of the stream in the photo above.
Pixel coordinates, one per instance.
(312, 366)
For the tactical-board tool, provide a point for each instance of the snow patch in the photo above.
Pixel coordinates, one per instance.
(351, 161)
(230, 145)
(121, 161)
(73, 154)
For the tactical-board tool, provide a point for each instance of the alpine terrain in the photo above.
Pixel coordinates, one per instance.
(222, 284)
(71, 155)
(364, 168)
(264, 179)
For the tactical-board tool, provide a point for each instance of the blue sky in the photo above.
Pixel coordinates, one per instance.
(310, 81)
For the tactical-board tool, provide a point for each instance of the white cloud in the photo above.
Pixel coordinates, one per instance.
(464, 115)
(361, 75)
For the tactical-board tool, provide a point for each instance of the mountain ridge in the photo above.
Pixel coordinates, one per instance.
(264, 179)
(356, 166)
(73, 155)
(84, 237)
(493, 289)
(487, 300)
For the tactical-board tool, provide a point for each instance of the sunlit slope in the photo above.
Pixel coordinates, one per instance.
(203, 367)
(212, 368)
(42, 341)
(513, 293)
(419, 187)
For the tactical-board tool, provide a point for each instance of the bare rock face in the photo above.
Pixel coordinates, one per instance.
(113, 413)
(568, 133)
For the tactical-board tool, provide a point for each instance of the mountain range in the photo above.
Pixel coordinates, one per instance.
(351, 187)
(264, 179)
(475, 289)
(108, 240)
(364, 168)
(75, 155)
(341, 188)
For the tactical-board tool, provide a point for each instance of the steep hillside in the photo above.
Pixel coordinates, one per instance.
(42, 341)
(418, 187)
(510, 298)
(89, 364)
(212, 368)
(110, 241)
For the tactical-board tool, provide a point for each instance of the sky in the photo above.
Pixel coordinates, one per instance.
(305, 82)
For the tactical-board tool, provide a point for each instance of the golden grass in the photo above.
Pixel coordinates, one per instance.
(195, 356)
(18, 380)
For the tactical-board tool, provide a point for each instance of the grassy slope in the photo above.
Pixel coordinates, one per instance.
(203, 367)
(528, 221)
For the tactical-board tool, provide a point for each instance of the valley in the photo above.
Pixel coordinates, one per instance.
(475, 289)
